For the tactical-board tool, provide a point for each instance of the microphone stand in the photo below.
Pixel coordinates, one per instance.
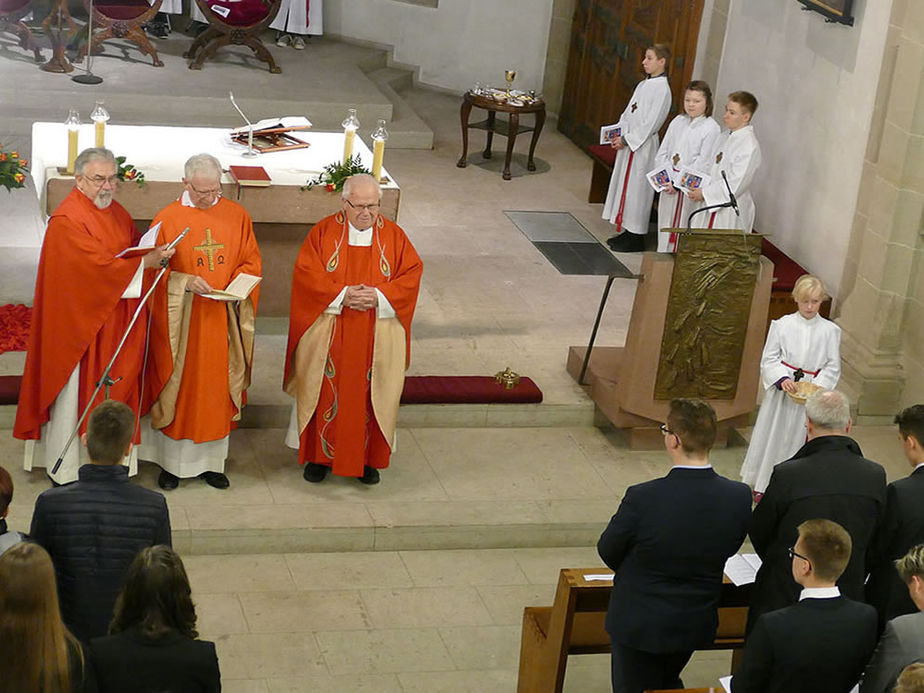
(105, 379)
(88, 77)
(250, 153)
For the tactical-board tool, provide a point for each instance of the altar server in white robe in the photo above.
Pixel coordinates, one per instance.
(629, 198)
(800, 346)
(737, 153)
(687, 144)
(297, 18)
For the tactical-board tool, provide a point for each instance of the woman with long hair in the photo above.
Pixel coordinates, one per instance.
(38, 653)
(152, 644)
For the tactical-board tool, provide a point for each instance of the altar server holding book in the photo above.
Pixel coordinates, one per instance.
(687, 145)
(629, 198)
(801, 346)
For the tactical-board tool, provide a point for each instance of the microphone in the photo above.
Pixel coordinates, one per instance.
(250, 152)
(731, 195)
(172, 245)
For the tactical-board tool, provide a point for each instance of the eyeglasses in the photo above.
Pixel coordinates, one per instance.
(204, 193)
(99, 181)
(665, 430)
(365, 208)
(793, 554)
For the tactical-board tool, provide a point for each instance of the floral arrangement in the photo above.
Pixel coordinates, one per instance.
(127, 172)
(334, 175)
(13, 169)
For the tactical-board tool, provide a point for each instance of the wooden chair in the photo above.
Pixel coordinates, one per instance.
(574, 625)
(11, 14)
(121, 19)
(238, 23)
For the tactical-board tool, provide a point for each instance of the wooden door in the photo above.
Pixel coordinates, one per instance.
(608, 42)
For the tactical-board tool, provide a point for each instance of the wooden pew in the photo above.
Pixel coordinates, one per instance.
(574, 625)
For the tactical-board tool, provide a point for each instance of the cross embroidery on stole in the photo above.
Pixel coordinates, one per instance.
(209, 247)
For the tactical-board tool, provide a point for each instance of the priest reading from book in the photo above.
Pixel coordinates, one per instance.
(85, 297)
(354, 290)
(201, 337)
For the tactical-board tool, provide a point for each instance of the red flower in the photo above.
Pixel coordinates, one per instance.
(14, 155)
(2, 156)
(329, 187)
(18, 177)
(23, 162)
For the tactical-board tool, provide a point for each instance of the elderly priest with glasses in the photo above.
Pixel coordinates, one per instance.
(354, 290)
(202, 330)
(85, 297)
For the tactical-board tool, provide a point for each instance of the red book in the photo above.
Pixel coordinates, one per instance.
(255, 176)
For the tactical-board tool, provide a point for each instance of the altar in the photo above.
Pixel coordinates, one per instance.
(281, 212)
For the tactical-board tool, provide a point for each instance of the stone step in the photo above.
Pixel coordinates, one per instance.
(406, 129)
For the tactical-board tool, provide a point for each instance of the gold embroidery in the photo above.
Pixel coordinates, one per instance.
(676, 159)
(209, 247)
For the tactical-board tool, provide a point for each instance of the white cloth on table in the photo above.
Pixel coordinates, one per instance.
(812, 345)
(738, 154)
(629, 198)
(687, 143)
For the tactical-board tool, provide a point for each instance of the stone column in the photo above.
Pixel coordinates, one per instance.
(882, 316)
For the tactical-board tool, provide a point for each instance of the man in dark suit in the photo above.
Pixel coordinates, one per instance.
(94, 527)
(902, 524)
(823, 641)
(668, 543)
(902, 642)
(828, 478)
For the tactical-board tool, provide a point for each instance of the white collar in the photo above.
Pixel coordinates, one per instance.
(359, 238)
(691, 466)
(819, 593)
(919, 465)
(186, 200)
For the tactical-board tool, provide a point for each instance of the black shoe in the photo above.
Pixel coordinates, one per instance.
(156, 29)
(370, 476)
(168, 481)
(215, 479)
(626, 242)
(315, 473)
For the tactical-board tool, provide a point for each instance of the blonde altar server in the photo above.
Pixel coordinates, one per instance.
(688, 143)
(629, 198)
(800, 346)
(737, 153)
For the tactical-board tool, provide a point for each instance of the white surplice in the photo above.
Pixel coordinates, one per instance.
(293, 19)
(629, 198)
(687, 143)
(738, 155)
(793, 342)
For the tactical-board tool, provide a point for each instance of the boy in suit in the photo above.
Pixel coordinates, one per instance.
(823, 641)
(668, 543)
(902, 524)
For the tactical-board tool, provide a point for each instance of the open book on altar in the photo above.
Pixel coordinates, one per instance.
(274, 134)
(145, 243)
(239, 288)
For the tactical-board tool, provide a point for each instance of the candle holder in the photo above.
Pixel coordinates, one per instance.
(350, 126)
(100, 116)
(379, 135)
(510, 75)
(73, 129)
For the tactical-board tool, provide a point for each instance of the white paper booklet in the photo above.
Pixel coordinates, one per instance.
(690, 179)
(610, 133)
(239, 288)
(742, 568)
(659, 179)
(145, 243)
(270, 123)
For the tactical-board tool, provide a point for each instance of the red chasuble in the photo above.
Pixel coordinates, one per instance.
(345, 430)
(78, 315)
(219, 246)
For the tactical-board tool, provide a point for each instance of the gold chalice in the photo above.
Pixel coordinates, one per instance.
(510, 75)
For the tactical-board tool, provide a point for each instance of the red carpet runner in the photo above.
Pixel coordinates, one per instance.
(14, 327)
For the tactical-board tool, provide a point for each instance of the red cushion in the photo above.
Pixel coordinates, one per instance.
(785, 270)
(603, 152)
(467, 389)
(241, 13)
(122, 9)
(7, 6)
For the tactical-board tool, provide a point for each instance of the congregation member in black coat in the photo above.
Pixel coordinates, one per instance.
(902, 642)
(830, 479)
(94, 527)
(902, 524)
(668, 543)
(822, 642)
(152, 646)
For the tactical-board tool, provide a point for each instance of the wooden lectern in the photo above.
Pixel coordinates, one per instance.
(697, 330)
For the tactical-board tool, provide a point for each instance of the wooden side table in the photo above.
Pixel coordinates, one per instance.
(508, 128)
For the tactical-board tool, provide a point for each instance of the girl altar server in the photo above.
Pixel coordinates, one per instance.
(687, 144)
(629, 198)
(800, 346)
(737, 153)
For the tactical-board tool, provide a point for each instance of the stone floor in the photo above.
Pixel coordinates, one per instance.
(417, 584)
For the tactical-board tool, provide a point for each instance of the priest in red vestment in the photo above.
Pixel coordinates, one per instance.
(201, 341)
(354, 290)
(85, 297)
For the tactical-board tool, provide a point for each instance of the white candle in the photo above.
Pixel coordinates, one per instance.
(349, 134)
(378, 153)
